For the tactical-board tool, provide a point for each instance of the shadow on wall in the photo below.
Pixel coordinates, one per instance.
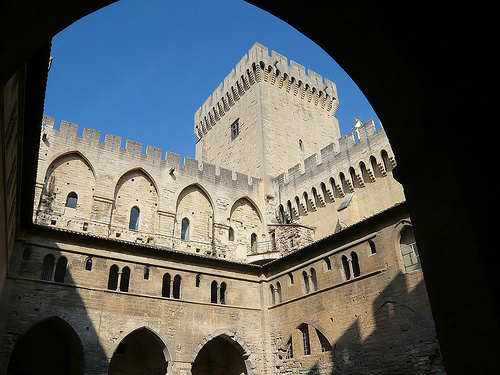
(53, 326)
(399, 338)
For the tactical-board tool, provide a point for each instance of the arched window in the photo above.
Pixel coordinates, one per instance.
(315, 196)
(48, 267)
(345, 266)
(354, 178)
(290, 278)
(324, 192)
(305, 279)
(60, 273)
(409, 250)
(297, 203)
(328, 264)
(355, 264)
(373, 249)
(325, 344)
(146, 273)
(198, 280)
(304, 329)
(165, 288)
(375, 168)
(113, 277)
(185, 229)
(278, 293)
(213, 292)
(253, 243)
(290, 210)
(289, 349)
(314, 280)
(386, 161)
(71, 200)
(176, 292)
(134, 218)
(231, 234)
(26, 253)
(125, 279)
(281, 214)
(88, 264)
(223, 289)
(364, 172)
(273, 297)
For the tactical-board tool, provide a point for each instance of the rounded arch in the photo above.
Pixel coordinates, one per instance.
(143, 343)
(49, 345)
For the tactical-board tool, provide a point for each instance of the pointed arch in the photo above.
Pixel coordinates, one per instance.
(223, 349)
(50, 345)
(145, 348)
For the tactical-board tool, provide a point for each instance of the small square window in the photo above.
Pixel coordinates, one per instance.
(235, 129)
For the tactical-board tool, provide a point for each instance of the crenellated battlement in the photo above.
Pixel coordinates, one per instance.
(355, 147)
(260, 66)
(133, 153)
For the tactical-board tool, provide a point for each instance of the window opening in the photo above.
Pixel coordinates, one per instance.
(325, 345)
(305, 339)
(278, 293)
(60, 273)
(176, 293)
(253, 243)
(235, 129)
(306, 281)
(48, 267)
(88, 264)
(125, 279)
(134, 218)
(146, 273)
(113, 277)
(328, 264)
(373, 249)
(273, 297)
(314, 281)
(165, 288)
(231, 234)
(355, 264)
(198, 280)
(213, 292)
(345, 266)
(185, 230)
(409, 250)
(289, 349)
(290, 278)
(223, 293)
(71, 200)
(26, 254)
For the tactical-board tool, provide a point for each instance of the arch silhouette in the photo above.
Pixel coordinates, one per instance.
(49, 345)
(232, 345)
(143, 350)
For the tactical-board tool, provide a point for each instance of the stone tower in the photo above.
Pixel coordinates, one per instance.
(266, 116)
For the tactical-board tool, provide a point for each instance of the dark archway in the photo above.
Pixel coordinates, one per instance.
(141, 352)
(220, 356)
(49, 347)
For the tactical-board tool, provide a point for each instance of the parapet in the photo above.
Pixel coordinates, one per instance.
(258, 66)
(90, 142)
(365, 140)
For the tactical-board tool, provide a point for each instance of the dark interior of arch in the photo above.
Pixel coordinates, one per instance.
(139, 353)
(50, 347)
(219, 356)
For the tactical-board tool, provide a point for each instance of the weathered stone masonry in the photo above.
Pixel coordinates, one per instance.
(142, 264)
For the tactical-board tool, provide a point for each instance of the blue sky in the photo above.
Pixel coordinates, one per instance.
(139, 69)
